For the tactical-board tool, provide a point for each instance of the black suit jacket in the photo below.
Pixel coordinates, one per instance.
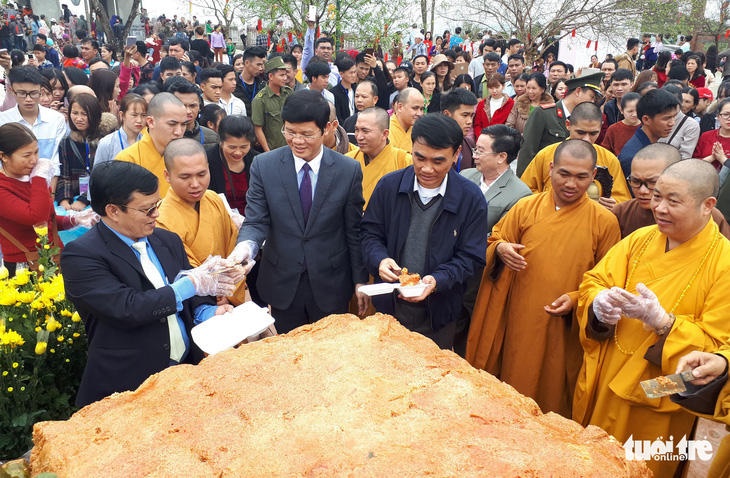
(330, 241)
(125, 316)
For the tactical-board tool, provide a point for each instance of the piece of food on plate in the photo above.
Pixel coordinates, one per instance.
(407, 279)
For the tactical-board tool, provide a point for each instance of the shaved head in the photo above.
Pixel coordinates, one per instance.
(78, 89)
(659, 152)
(701, 177)
(159, 102)
(576, 148)
(181, 147)
(333, 112)
(406, 93)
(382, 120)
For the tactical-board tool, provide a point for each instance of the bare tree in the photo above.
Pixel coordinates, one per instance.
(223, 11)
(103, 17)
(540, 23)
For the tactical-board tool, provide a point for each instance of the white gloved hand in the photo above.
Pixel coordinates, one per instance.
(207, 281)
(86, 218)
(644, 307)
(605, 309)
(244, 251)
(45, 169)
(237, 219)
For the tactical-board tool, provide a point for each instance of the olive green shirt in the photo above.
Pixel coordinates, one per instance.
(546, 125)
(266, 113)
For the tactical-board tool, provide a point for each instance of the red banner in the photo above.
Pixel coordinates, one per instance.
(573, 33)
(588, 45)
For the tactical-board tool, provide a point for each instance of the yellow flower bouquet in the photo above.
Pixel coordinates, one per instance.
(42, 351)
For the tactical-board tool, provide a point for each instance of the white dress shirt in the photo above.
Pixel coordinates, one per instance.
(427, 194)
(314, 164)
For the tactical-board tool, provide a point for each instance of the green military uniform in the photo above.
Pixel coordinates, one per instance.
(547, 124)
(266, 108)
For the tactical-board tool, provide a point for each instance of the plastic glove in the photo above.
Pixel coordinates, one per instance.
(207, 279)
(237, 219)
(604, 308)
(644, 307)
(244, 251)
(86, 218)
(45, 169)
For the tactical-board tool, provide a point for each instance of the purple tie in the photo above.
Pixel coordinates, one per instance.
(305, 192)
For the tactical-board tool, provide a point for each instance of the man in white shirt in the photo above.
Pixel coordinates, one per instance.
(323, 48)
(48, 126)
(211, 83)
(318, 73)
(230, 103)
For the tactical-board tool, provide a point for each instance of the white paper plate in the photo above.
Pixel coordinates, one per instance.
(413, 290)
(378, 289)
(222, 332)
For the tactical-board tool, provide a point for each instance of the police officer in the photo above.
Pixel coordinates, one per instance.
(267, 105)
(547, 123)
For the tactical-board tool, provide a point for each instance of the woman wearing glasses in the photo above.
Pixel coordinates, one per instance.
(24, 181)
(714, 145)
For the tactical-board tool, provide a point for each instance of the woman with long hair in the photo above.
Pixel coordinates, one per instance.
(559, 89)
(520, 84)
(535, 95)
(661, 66)
(494, 109)
(646, 76)
(696, 71)
(714, 145)
(77, 151)
(442, 67)
(428, 41)
(463, 81)
(105, 84)
(711, 58)
(211, 116)
(109, 55)
(432, 97)
(59, 86)
(437, 47)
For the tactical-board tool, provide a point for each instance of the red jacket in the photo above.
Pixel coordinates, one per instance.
(24, 204)
(482, 119)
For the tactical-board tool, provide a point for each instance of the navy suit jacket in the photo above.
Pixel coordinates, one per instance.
(330, 241)
(125, 316)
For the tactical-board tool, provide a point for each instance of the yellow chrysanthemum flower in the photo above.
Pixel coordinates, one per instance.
(41, 231)
(40, 348)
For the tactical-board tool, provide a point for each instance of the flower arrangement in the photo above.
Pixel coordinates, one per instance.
(42, 350)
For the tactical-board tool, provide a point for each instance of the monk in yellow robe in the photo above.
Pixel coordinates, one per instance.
(194, 212)
(584, 123)
(680, 269)
(166, 120)
(406, 110)
(711, 399)
(377, 157)
(519, 331)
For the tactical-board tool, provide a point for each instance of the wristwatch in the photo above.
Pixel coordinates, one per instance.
(663, 330)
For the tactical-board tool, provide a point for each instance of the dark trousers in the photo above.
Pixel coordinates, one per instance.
(12, 267)
(303, 309)
(414, 318)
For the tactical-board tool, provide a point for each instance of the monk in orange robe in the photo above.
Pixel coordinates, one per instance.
(659, 294)
(194, 212)
(519, 331)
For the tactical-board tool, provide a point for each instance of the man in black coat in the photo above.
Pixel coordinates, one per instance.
(122, 278)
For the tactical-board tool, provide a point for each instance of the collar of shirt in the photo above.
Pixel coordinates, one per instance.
(128, 241)
(565, 109)
(41, 118)
(314, 163)
(427, 194)
(485, 187)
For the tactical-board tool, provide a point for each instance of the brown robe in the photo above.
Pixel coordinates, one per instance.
(632, 217)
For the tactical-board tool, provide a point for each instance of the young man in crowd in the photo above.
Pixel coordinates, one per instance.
(318, 73)
(248, 84)
(627, 60)
(230, 103)
(459, 104)
(621, 82)
(323, 48)
(428, 199)
(211, 83)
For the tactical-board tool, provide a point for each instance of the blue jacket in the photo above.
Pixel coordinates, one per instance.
(457, 244)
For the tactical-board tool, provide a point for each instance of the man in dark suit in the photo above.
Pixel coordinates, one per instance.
(121, 276)
(306, 202)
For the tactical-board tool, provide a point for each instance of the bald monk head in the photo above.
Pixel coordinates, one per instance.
(330, 141)
(372, 130)
(166, 119)
(572, 171)
(77, 90)
(585, 122)
(408, 107)
(186, 169)
(683, 198)
(647, 166)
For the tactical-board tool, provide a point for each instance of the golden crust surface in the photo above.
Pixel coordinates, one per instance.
(341, 397)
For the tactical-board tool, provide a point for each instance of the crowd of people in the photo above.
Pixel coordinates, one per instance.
(544, 207)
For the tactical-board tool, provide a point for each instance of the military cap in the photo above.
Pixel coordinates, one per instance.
(276, 63)
(592, 81)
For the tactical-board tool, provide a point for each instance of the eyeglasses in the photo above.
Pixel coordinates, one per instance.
(23, 94)
(305, 137)
(724, 115)
(637, 183)
(476, 153)
(149, 212)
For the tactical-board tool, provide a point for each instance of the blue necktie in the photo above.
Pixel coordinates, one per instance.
(305, 192)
